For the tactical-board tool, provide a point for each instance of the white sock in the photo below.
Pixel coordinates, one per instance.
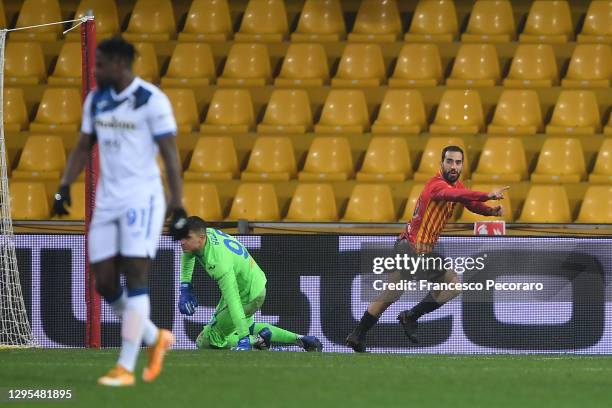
(150, 330)
(135, 315)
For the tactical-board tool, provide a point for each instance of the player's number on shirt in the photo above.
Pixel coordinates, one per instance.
(234, 246)
(134, 214)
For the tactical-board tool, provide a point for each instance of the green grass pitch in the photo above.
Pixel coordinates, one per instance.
(293, 379)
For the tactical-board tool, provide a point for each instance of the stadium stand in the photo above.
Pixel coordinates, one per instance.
(278, 92)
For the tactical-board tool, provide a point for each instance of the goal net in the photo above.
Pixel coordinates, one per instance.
(15, 329)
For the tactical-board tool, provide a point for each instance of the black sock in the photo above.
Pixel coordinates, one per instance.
(366, 323)
(427, 305)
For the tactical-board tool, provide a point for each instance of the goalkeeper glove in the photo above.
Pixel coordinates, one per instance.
(187, 301)
(244, 344)
(178, 224)
(61, 199)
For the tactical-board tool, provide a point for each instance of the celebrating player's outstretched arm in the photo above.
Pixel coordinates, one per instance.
(243, 291)
(433, 209)
(130, 120)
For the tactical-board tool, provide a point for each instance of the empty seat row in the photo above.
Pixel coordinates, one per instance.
(388, 159)
(323, 20)
(401, 111)
(561, 160)
(192, 64)
(344, 112)
(316, 202)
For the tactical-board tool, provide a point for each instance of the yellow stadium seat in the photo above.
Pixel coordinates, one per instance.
(202, 199)
(360, 65)
(561, 160)
(24, 63)
(533, 66)
(263, 20)
(145, 62)
(77, 206)
(377, 21)
(345, 111)
(576, 112)
(329, 158)
(313, 203)
(468, 216)
(246, 65)
(502, 160)
(272, 158)
(418, 65)
(3, 23)
(304, 65)
(43, 157)
(590, 67)
(415, 192)
(370, 203)
(230, 111)
(517, 112)
(106, 18)
(59, 111)
(433, 21)
(207, 20)
(35, 12)
(184, 107)
(15, 114)
(548, 22)
(213, 158)
(29, 201)
(597, 25)
(602, 171)
(288, 112)
(476, 65)
(255, 202)
(432, 157)
(68, 69)
(401, 111)
(608, 128)
(546, 204)
(191, 65)
(151, 20)
(490, 22)
(387, 159)
(320, 20)
(459, 111)
(596, 206)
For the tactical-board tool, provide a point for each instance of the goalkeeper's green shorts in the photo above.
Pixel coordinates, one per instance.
(220, 332)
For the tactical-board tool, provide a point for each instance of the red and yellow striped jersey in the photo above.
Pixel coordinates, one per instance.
(435, 207)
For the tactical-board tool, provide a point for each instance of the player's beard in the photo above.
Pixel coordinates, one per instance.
(451, 176)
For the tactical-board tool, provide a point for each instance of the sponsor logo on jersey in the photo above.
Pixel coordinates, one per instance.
(113, 123)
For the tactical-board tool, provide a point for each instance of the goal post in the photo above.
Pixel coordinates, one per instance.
(92, 297)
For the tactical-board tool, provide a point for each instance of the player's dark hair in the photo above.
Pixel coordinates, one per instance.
(196, 224)
(116, 48)
(452, 149)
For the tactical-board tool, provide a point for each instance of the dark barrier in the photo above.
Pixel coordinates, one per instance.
(321, 284)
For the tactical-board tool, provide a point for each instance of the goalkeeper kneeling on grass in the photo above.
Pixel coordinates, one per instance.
(243, 291)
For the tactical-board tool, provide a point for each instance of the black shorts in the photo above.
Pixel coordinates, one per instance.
(431, 269)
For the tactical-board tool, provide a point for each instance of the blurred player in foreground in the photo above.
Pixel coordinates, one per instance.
(130, 120)
(243, 291)
(433, 209)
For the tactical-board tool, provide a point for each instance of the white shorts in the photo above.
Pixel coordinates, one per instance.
(132, 231)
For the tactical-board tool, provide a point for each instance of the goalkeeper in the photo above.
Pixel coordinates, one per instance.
(243, 291)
